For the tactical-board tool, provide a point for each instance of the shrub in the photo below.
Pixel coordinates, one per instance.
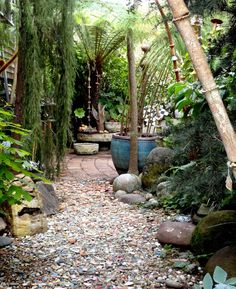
(200, 165)
(12, 160)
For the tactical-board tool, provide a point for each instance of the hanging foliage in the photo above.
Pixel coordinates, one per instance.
(46, 77)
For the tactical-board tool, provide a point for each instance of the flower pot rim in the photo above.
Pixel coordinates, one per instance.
(143, 137)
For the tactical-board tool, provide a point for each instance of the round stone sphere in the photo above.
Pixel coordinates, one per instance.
(127, 183)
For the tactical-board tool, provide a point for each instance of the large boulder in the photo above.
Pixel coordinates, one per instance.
(225, 258)
(176, 233)
(158, 161)
(215, 231)
(50, 202)
(127, 183)
(27, 218)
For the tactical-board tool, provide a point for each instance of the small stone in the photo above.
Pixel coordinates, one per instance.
(72, 240)
(148, 196)
(132, 199)
(5, 241)
(3, 224)
(203, 210)
(119, 194)
(173, 284)
(151, 204)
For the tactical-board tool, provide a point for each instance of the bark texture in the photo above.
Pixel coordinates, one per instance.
(180, 13)
(133, 164)
(171, 42)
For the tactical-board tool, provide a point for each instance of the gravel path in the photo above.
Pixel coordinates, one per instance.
(93, 242)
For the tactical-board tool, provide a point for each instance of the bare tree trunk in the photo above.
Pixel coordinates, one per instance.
(181, 14)
(133, 163)
(19, 89)
(171, 42)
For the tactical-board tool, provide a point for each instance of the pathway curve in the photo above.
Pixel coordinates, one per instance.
(93, 242)
(99, 166)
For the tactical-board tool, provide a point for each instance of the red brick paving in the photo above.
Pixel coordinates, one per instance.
(88, 167)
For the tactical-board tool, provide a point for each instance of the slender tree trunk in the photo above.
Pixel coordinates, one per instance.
(133, 163)
(171, 42)
(20, 82)
(180, 13)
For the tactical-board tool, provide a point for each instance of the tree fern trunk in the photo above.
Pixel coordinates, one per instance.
(224, 126)
(133, 164)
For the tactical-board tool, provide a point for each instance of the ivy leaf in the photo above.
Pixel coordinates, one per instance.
(219, 275)
(207, 281)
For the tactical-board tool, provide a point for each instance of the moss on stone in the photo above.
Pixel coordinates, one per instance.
(214, 232)
(151, 173)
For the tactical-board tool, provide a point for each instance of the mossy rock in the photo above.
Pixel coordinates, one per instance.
(158, 161)
(215, 231)
(226, 259)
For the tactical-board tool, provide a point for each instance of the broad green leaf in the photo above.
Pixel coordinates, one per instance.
(207, 281)
(13, 165)
(6, 113)
(219, 275)
(197, 286)
(176, 87)
(27, 196)
(9, 175)
(183, 103)
(17, 131)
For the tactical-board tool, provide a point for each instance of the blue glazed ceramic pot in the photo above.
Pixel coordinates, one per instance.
(120, 150)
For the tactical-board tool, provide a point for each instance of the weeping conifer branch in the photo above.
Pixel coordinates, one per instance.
(65, 81)
(46, 77)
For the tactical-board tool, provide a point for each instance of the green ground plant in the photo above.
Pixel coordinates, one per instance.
(13, 160)
(218, 281)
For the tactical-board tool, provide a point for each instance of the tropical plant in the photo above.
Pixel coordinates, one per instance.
(218, 281)
(99, 41)
(114, 86)
(205, 76)
(13, 159)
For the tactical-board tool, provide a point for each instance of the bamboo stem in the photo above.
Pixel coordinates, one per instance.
(181, 14)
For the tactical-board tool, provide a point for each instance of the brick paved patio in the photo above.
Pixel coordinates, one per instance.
(84, 167)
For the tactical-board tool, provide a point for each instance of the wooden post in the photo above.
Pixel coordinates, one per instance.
(181, 19)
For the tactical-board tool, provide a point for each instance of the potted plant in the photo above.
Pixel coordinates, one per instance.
(150, 112)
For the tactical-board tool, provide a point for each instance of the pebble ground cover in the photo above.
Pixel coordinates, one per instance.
(94, 241)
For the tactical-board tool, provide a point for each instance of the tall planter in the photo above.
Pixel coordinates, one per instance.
(120, 151)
